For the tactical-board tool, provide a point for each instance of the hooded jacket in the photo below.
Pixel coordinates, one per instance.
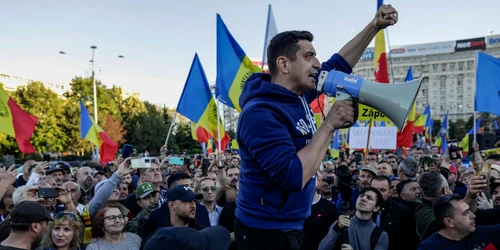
(274, 124)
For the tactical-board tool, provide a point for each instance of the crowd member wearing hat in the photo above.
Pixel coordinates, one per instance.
(366, 174)
(182, 209)
(158, 217)
(210, 238)
(28, 220)
(63, 233)
(147, 198)
(456, 186)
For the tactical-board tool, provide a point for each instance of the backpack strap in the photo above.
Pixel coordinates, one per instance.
(375, 236)
(87, 222)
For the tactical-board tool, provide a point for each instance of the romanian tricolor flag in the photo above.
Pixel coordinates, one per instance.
(233, 67)
(197, 103)
(199, 133)
(419, 125)
(91, 131)
(405, 137)
(379, 55)
(464, 144)
(16, 122)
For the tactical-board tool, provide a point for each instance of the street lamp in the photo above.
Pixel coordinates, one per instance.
(93, 47)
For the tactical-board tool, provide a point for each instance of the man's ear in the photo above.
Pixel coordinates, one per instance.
(282, 64)
(376, 209)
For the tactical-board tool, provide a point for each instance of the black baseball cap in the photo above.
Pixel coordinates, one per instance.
(27, 212)
(182, 193)
(186, 238)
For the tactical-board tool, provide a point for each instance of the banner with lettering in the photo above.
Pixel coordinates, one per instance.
(380, 137)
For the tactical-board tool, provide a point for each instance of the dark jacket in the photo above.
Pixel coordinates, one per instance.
(158, 217)
(399, 223)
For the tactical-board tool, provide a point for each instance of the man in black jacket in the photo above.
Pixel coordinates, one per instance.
(395, 219)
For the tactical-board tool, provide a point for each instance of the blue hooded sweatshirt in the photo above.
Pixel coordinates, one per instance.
(274, 124)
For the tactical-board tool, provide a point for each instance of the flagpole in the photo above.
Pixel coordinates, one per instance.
(475, 96)
(389, 54)
(171, 125)
(265, 36)
(218, 129)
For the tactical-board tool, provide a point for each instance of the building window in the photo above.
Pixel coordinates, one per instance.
(443, 67)
(469, 81)
(470, 65)
(460, 66)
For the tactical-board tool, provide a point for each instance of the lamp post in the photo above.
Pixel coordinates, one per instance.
(93, 47)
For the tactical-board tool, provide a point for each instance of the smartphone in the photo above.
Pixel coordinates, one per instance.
(205, 164)
(197, 163)
(46, 157)
(358, 158)
(484, 169)
(176, 161)
(9, 160)
(454, 150)
(127, 151)
(144, 162)
(48, 193)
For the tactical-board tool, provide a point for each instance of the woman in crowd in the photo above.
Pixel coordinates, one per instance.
(64, 233)
(109, 229)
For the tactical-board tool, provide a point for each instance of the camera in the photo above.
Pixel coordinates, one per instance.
(454, 150)
(344, 187)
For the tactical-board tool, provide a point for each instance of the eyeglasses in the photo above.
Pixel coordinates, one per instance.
(114, 217)
(206, 189)
(70, 216)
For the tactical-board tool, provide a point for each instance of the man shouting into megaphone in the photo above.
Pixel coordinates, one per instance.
(280, 147)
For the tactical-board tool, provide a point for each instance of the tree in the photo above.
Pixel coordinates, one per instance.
(436, 128)
(458, 129)
(81, 89)
(185, 142)
(148, 132)
(114, 129)
(36, 99)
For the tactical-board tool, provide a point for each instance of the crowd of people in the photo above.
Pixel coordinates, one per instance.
(395, 203)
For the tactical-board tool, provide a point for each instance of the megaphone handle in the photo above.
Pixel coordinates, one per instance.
(345, 96)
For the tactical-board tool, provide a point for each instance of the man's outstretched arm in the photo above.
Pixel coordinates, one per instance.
(352, 51)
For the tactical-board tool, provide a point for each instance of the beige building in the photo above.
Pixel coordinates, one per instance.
(12, 82)
(448, 69)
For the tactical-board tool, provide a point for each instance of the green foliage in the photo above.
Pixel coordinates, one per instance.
(130, 120)
(45, 104)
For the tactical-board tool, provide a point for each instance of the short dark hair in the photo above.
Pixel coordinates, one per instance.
(380, 199)
(431, 183)
(382, 178)
(176, 177)
(401, 185)
(443, 208)
(285, 44)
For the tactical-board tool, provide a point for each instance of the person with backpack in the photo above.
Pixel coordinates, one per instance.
(370, 201)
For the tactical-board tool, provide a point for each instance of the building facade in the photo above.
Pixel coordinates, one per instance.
(12, 82)
(448, 69)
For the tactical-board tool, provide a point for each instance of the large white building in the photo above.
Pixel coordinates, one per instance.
(448, 69)
(12, 82)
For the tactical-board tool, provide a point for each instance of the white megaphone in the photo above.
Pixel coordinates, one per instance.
(393, 100)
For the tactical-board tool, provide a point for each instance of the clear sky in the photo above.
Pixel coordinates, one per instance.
(159, 37)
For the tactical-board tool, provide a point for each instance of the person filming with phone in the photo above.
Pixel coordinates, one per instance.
(280, 147)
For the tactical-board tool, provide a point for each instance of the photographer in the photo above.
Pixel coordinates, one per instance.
(358, 228)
